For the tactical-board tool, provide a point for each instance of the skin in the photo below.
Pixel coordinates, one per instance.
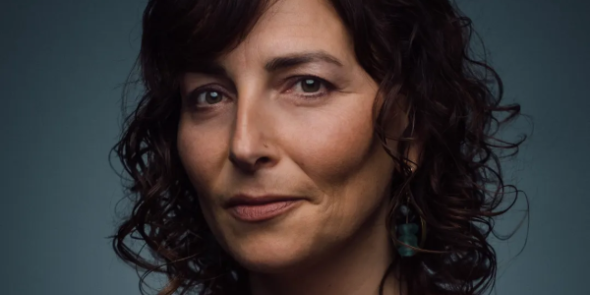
(268, 134)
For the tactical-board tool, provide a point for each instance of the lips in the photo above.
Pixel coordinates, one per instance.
(260, 208)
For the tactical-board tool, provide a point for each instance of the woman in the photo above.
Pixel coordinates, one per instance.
(313, 147)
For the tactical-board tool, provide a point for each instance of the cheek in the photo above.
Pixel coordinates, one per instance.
(338, 152)
(332, 144)
(202, 153)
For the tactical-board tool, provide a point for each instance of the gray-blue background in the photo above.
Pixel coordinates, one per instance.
(62, 63)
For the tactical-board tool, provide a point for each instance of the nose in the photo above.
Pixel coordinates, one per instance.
(252, 147)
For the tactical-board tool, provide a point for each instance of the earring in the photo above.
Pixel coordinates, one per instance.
(407, 228)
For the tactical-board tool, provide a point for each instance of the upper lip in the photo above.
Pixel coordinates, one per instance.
(243, 199)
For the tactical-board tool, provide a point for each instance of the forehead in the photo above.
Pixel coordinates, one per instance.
(293, 26)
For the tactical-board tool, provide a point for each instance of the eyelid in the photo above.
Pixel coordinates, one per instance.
(195, 93)
(300, 78)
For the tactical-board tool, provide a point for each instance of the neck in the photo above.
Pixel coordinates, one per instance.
(355, 269)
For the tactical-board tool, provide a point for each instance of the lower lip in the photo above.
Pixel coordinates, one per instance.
(262, 212)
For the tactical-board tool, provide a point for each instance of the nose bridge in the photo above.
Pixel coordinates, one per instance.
(250, 142)
(246, 131)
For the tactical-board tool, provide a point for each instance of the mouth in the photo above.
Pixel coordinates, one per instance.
(258, 209)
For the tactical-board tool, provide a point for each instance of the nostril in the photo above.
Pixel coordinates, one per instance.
(262, 161)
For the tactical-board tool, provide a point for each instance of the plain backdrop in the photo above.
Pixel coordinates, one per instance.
(61, 67)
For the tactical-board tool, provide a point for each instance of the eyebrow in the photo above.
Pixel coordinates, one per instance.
(214, 68)
(289, 61)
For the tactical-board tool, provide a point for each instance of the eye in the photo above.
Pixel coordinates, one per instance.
(208, 97)
(311, 87)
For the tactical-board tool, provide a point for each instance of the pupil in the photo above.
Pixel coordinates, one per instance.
(213, 97)
(310, 85)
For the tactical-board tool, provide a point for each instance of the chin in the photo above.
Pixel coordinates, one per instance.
(270, 254)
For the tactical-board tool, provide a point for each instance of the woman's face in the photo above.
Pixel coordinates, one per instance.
(287, 113)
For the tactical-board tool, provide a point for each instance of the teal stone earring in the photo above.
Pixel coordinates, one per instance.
(407, 235)
(409, 223)
(407, 220)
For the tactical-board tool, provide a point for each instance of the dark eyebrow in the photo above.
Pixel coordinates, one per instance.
(212, 68)
(289, 61)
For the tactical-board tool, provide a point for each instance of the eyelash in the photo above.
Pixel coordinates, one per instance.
(328, 87)
(323, 83)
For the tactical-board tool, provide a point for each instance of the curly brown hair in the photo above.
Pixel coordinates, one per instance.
(424, 46)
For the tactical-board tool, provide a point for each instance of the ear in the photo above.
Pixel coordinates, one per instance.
(399, 116)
